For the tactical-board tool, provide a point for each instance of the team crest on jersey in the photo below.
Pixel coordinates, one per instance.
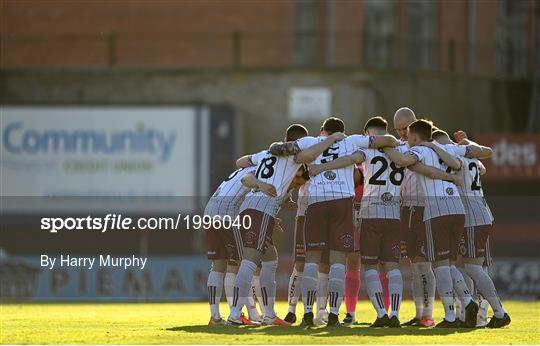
(251, 237)
(449, 191)
(330, 175)
(347, 241)
(396, 252)
(462, 247)
(387, 197)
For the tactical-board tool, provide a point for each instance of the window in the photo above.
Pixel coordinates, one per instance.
(511, 52)
(305, 17)
(420, 34)
(379, 42)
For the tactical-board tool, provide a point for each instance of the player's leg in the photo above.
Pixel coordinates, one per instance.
(217, 253)
(295, 279)
(315, 239)
(456, 224)
(476, 239)
(215, 288)
(483, 304)
(423, 279)
(253, 313)
(228, 282)
(341, 238)
(370, 241)
(254, 240)
(437, 247)
(322, 290)
(352, 285)
(390, 255)
(309, 285)
(268, 286)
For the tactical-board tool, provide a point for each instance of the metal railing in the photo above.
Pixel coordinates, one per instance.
(261, 50)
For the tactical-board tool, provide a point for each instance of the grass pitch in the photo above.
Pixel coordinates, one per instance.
(185, 323)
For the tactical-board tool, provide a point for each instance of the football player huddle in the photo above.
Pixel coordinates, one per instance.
(365, 202)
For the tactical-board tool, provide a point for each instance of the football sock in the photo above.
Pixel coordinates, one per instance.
(294, 289)
(322, 290)
(228, 284)
(336, 286)
(374, 291)
(242, 286)
(446, 291)
(215, 288)
(309, 286)
(417, 290)
(395, 288)
(460, 287)
(486, 287)
(268, 286)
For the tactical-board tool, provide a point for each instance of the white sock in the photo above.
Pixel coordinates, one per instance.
(460, 287)
(242, 286)
(256, 287)
(459, 308)
(336, 286)
(486, 287)
(446, 291)
(294, 289)
(268, 287)
(215, 287)
(253, 313)
(427, 279)
(322, 290)
(228, 284)
(374, 291)
(395, 289)
(417, 290)
(468, 281)
(309, 286)
(483, 305)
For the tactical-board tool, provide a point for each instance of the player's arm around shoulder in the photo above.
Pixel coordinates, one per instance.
(383, 141)
(435, 173)
(250, 181)
(340, 162)
(449, 159)
(309, 154)
(402, 159)
(474, 150)
(250, 160)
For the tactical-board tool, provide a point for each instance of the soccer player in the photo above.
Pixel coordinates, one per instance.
(412, 212)
(329, 223)
(443, 216)
(261, 210)
(224, 244)
(380, 226)
(478, 224)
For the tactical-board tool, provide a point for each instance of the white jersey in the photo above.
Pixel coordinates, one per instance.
(278, 171)
(302, 203)
(229, 195)
(382, 185)
(338, 183)
(441, 197)
(477, 212)
(411, 192)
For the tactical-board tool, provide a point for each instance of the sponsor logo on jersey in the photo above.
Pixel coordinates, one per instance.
(330, 175)
(387, 197)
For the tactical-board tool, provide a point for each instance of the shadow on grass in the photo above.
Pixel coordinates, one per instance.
(317, 332)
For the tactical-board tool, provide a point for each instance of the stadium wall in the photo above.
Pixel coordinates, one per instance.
(260, 97)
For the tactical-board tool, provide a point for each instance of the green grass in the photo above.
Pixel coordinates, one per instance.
(185, 323)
